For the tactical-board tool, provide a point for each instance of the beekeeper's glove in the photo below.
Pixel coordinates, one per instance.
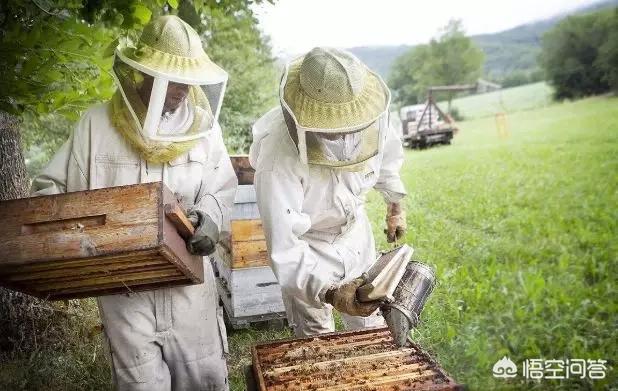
(205, 236)
(344, 299)
(395, 222)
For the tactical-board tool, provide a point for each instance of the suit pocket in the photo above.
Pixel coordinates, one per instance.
(116, 171)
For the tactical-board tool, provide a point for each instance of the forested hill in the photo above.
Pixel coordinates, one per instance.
(516, 49)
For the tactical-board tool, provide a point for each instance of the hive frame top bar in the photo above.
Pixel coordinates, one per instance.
(258, 371)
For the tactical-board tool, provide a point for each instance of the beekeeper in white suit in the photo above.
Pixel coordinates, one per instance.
(316, 156)
(161, 125)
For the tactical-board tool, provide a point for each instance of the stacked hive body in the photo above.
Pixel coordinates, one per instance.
(94, 243)
(246, 283)
(355, 360)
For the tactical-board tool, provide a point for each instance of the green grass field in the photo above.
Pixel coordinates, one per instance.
(522, 232)
(526, 97)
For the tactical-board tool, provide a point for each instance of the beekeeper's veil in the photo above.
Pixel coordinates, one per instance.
(169, 50)
(335, 108)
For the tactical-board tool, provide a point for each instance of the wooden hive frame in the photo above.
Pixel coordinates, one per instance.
(353, 360)
(96, 242)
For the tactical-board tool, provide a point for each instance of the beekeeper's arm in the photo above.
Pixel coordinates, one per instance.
(389, 182)
(280, 197)
(213, 204)
(391, 187)
(68, 169)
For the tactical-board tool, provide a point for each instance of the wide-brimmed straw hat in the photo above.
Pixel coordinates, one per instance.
(169, 47)
(331, 89)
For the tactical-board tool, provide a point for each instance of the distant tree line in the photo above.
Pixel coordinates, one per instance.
(520, 77)
(580, 55)
(451, 58)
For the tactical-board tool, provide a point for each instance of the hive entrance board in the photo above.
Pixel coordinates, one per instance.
(353, 360)
(94, 243)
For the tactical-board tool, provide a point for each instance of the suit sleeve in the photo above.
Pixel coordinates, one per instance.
(389, 182)
(218, 186)
(295, 264)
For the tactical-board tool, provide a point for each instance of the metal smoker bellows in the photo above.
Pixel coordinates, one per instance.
(403, 285)
(402, 313)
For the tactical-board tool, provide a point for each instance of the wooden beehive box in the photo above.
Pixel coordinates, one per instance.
(353, 360)
(247, 242)
(94, 243)
(246, 283)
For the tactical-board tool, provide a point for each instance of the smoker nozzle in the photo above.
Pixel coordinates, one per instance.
(399, 321)
(402, 312)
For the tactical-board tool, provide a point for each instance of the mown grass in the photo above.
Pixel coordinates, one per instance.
(522, 232)
(526, 97)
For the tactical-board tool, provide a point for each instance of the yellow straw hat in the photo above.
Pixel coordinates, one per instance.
(331, 89)
(169, 47)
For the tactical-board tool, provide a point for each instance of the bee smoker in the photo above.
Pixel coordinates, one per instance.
(402, 311)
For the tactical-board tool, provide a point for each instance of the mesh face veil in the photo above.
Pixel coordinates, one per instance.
(336, 109)
(181, 79)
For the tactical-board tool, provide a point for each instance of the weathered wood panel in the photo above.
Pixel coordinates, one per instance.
(249, 254)
(89, 243)
(248, 244)
(247, 230)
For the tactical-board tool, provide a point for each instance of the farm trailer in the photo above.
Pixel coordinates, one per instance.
(425, 124)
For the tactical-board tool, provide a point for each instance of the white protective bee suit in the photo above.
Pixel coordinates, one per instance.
(315, 157)
(317, 231)
(166, 339)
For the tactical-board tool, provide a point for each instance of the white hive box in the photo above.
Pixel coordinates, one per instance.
(246, 283)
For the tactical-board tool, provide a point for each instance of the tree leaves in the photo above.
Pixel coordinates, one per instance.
(580, 54)
(58, 64)
(452, 58)
(142, 13)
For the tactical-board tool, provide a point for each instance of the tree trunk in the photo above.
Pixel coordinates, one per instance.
(23, 319)
(13, 176)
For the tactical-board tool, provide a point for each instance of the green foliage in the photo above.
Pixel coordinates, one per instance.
(519, 78)
(452, 58)
(44, 136)
(236, 44)
(56, 56)
(608, 55)
(409, 75)
(456, 114)
(580, 54)
(50, 59)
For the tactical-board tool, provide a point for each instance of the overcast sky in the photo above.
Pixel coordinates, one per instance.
(295, 26)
